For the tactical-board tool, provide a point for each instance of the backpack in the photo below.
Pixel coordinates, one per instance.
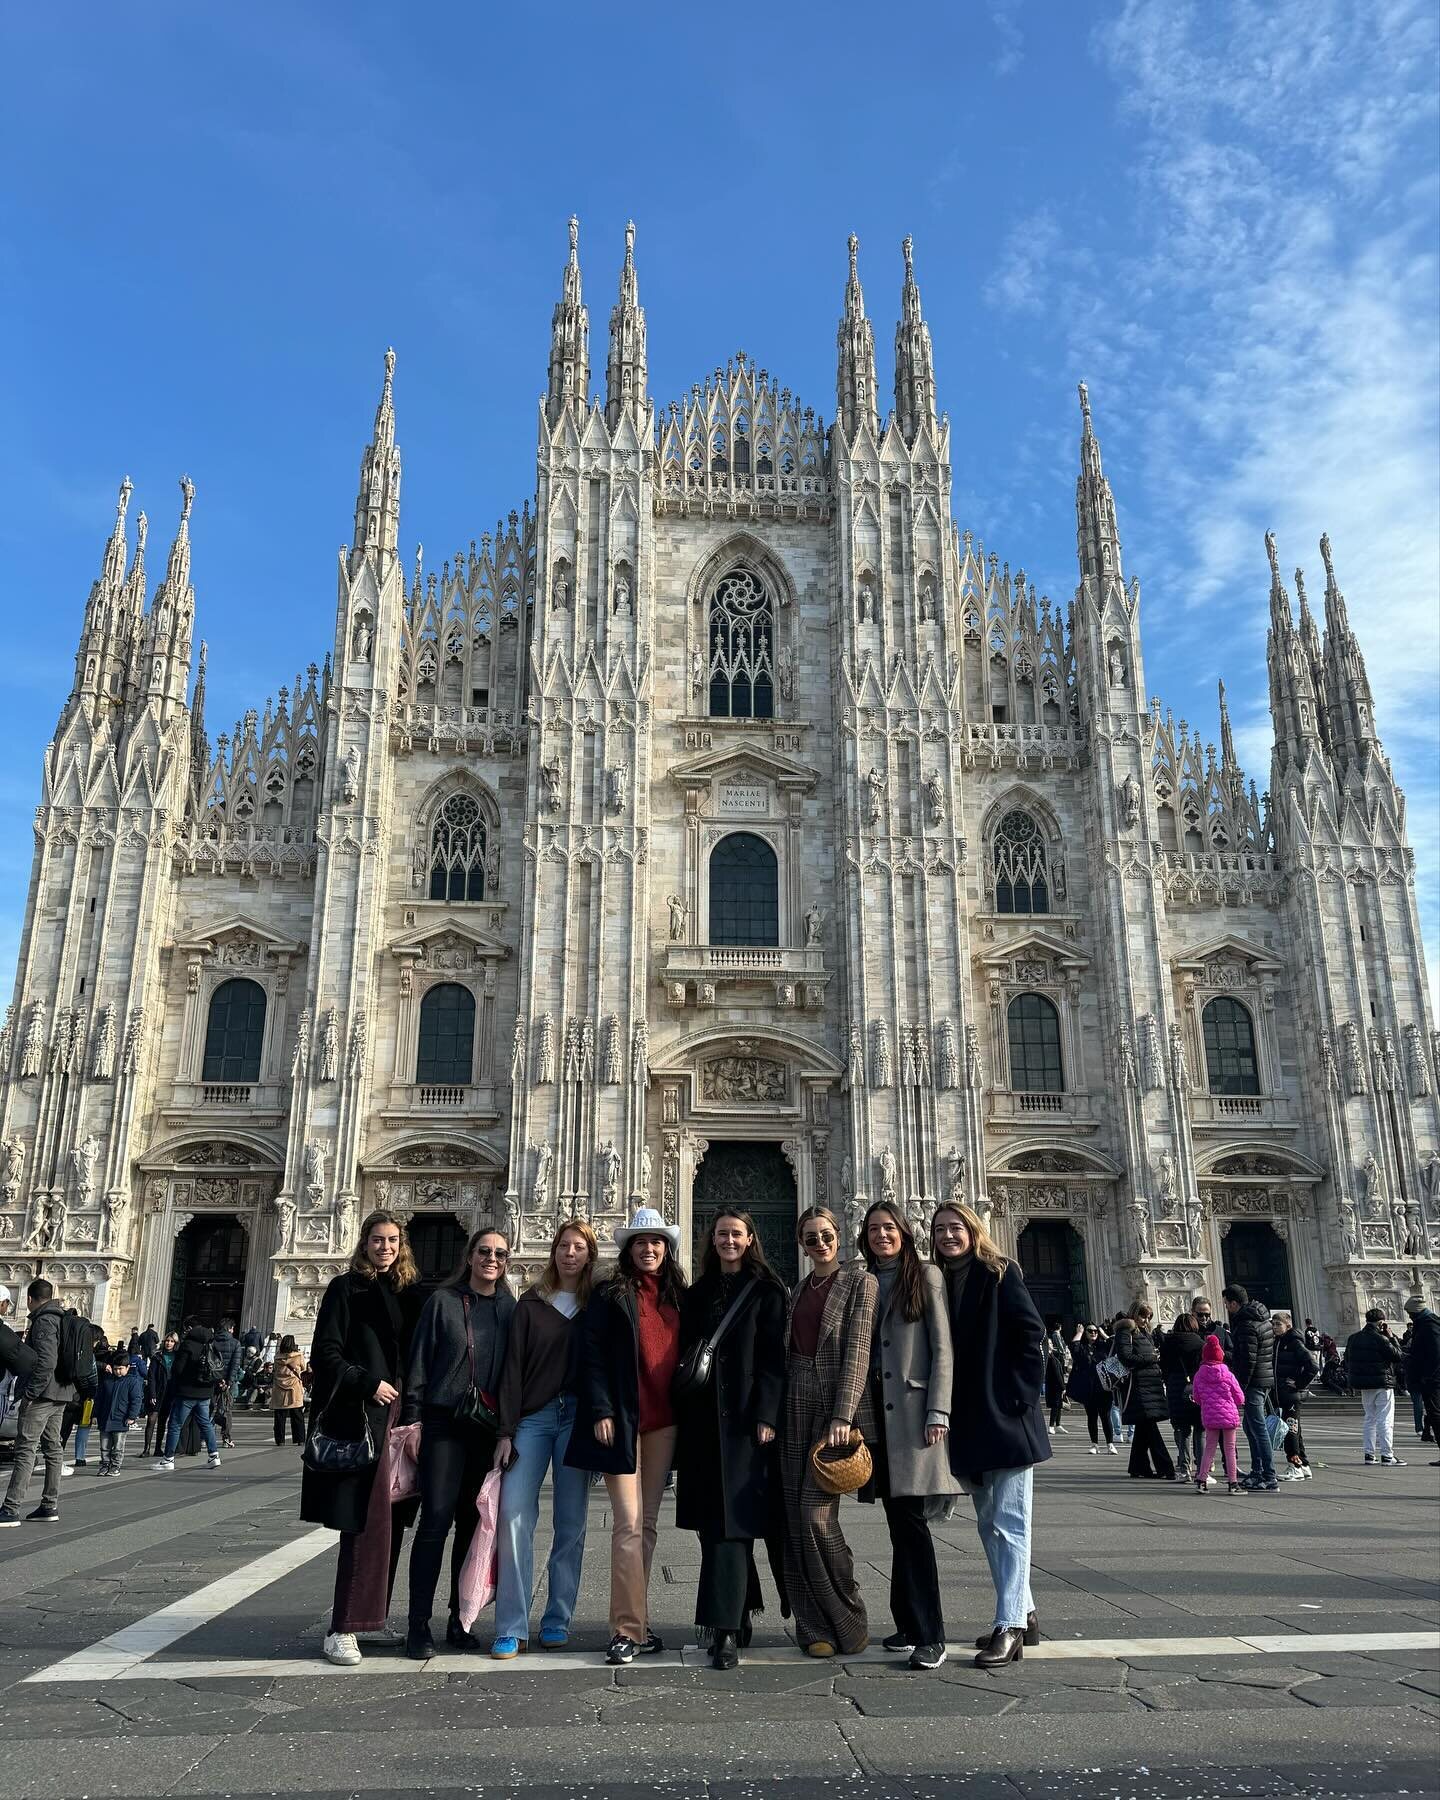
(75, 1355)
(212, 1364)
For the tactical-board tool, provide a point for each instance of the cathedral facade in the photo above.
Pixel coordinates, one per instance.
(726, 827)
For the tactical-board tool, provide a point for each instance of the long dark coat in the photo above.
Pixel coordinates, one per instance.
(1179, 1359)
(724, 1479)
(362, 1337)
(1136, 1349)
(609, 1384)
(998, 1341)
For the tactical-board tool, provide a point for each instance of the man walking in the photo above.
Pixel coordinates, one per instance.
(1252, 1361)
(227, 1348)
(192, 1383)
(1372, 1362)
(1423, 1367)
(43, 1400)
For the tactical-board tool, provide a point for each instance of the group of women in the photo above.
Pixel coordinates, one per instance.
(912, 1378)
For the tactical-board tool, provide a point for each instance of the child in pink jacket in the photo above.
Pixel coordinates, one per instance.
(1221, 1400)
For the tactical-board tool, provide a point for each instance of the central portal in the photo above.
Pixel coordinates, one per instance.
(751, 1178)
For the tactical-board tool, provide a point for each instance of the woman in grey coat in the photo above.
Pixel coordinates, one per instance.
(905, 1418)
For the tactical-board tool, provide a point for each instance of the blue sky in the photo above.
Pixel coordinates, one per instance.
(1222, 215)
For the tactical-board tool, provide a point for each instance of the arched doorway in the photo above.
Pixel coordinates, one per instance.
(1051, 1253)
(437, 1242)
(1254, 1256)
(207, 1276)
(753, 1178)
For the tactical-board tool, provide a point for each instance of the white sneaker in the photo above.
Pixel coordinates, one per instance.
(1094, 1449)
(1306, 1472)
(214, 1462)
(340, 1648)
(165, 1466)
(1111, 1448)
(67, 1468)
(1065, 1429)
(1051, 1430)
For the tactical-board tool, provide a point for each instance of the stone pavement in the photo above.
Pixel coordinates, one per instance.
(1267, 1645)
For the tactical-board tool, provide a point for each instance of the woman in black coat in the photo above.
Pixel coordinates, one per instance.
(724, 1451)
(1088, 1347)
(359, 1351)
(997, 1429)
(1179, 1359)
(1146, 1403)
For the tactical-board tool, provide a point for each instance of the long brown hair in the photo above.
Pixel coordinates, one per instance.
(461, 1277)
(548, 1282)
(402, 1272)
(672, 1276)
(752, 1262)
(907, 1276)
(987, 1251)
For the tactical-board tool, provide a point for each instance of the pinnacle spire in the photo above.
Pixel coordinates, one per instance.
(1293, 702)
(914, 357)
(112, 572)
(1228, 758)
(569, 383)
(377, 505)
(1097, 535)
(855, 398)
(165, 672)
(1349, 703)
(625, 370)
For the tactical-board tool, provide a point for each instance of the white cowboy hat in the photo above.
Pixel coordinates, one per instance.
(646, 1222)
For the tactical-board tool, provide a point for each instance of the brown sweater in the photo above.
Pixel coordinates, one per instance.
(539, 1360)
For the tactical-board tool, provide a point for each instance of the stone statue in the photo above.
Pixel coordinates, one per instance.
(888, 1174)
(640, 1055)
(34, 1222)
(1179, 1071)
(1140, 1212)
(82, 1169)
(540, 1193)
(1372, 1184)
(955, 1172)
(561, 593)
(857, 1057)
(1168, 1191)
(346, 1222)
(1125, 1057)
(935, 798)
(786, 671)
(814, 925)
(315, 1168)
(617, 788)
(57, 1221)
(867, 604)
(1349, 1230)
(350, 774)
(112, 1212)
(610, 1175)
(1194, 1225)
(1429, 1181)
(330, 1047)
(12, 1155)
(679, 917)
(285, 1215)
(646, 1169)
(881, 1052)
(927, 602)
(1130, 801)
(974, 1065)
(697, 672)
(360, 645)
(32, 1047)
(550, 774)
(1117, 667)
(103, 1065)
(875, 796)
(622, 598)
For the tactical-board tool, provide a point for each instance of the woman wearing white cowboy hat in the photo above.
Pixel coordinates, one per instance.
(624, 1425)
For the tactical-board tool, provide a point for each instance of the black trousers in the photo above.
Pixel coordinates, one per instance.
(1097, 1413)
(1146, 1446)
(296, 1416)
(729, 1588)
(454, 1460)
(914, 1577)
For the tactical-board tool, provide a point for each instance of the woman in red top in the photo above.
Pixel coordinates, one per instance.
(624, 1426)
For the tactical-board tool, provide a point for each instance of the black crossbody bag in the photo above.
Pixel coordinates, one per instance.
(696, 1366)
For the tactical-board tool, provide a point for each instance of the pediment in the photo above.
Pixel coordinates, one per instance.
(1228, 949)
(448, 943)
(236, 934)
(744, 759)
(1032, 946)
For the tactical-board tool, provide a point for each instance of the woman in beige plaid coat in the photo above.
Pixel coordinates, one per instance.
(827, 1345)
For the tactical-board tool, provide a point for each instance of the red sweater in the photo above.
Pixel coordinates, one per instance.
(659, 1330)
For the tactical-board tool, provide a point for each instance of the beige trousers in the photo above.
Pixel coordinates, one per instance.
(635, 1511)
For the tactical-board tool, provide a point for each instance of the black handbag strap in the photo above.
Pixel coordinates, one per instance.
(469, 1335)
(732, 1311)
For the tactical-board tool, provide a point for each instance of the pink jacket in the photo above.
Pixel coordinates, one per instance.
(1219, 1396)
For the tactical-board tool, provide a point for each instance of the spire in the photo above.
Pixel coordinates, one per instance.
(377, 506)
(112, 569)
(625, 371)
(1228, 758)
(1293, 702)
(165, 667)
(199, 741)
(914, 358)
(107, 637)
(1349, 704)
(855, 402)
(1097, 536)
(569, 340)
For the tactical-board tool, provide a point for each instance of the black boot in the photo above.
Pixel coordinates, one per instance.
(1032, 1634)
(419, 1645)
(724, 1653)
(1006, 1645)
(458, 1638)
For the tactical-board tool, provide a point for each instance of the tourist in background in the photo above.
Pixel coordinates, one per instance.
(157, 1393)
(1373, 1365)
(287, 1392)
(1295, 1369)
(725, 1428)
(997, 1431)
(361, 1343)
(1057, 1371)
(1087, 1348)
(119, 1402)
(457, 1357)
(1221, 1400)
(1146, 1404)
(905, 1418)
(1422, 1365)
(624, 1422)
(1179, 1359)
(192, 1388)
(42, 1397)
(536, 1407)
(1251, 1357)
(827, 1362)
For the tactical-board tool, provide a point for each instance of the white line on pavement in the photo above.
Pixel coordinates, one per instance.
(114, 1657)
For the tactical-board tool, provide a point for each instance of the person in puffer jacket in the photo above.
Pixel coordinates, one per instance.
(119, 1402)
(1221, 1400)
(1252, 1362)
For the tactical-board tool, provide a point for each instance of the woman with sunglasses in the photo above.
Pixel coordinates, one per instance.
(827, 1353)
(905, 1418)
(456, 1360)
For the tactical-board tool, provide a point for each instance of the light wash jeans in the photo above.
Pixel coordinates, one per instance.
(541, 1439)
(1257, 1435)
(1002, 1517)
(179, 1413)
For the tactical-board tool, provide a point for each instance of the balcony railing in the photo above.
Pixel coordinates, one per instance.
(441, 1097)
(794, 976)
(226, 1094)
(475, 1101)
(1224, 1112)
(1021, 1109)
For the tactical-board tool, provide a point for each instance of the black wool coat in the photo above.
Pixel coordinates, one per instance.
(998, 1337)
(1422, 1360)
(1136, 1349)
(362, 1337)
(609, 1382)
(1179, 1359)
(725, 1481)
(1295, 1368)
(1252, 1361)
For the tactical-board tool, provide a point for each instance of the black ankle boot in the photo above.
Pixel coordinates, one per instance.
(419, 1645)
(724, 1653)
(458, 1638)
(1006, 1645)
(1032, 1634)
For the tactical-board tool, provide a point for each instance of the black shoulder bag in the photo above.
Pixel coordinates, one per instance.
(475, 1406)
(696, 1366)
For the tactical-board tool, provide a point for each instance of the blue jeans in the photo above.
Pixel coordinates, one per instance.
(541, 1439)
(1262, 1457)
(179, 1413)
(1002, 1517)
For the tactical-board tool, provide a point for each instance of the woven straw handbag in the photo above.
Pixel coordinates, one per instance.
(841, 1471)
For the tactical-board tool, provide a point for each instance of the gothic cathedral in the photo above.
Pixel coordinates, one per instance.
(728, 827)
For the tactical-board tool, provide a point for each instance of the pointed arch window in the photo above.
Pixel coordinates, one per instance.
(1022, 866)
(741, 627)
(744, 891)
(446, 1049)
(1230, 1059)
(457, 851)
(234, 1032)
(1033, 1026)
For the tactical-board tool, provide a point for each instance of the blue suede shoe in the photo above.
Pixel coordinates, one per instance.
(504, 1648)
(551, 1639)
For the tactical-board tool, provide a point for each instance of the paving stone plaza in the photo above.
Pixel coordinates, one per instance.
(164, 1640)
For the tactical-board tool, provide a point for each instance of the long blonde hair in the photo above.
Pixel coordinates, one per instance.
(548, 1281)
(987, 1251)
(402, 1271)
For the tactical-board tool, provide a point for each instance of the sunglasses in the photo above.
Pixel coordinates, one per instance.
(812, 1238)
(493, 1255)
